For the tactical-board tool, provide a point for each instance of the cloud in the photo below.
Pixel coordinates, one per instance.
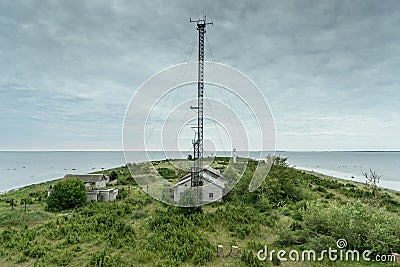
(326, 67)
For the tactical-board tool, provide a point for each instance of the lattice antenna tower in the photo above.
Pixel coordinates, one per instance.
(196, 170)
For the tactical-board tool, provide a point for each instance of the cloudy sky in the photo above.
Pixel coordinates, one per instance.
(330, 70)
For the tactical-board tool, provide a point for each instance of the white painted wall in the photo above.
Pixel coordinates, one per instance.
(214, 189)
(102, 195)
(100, 184)
(207, 188)
(180, 189)
(91, 196)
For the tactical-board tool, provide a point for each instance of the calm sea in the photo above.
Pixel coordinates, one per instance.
(23, 168)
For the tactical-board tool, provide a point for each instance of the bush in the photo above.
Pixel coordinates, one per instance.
(282, 185)
(122, 194)
(322, 242)
(113, 175)
(185, 243)
(67, 194)
(288, 237)
(249, 259)
(363, 226)
(320, 189)
(167, 173)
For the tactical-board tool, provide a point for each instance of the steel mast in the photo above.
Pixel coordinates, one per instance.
(196, 171)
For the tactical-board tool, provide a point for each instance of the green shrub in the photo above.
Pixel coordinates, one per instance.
(122, 194)
(249, 259)
(320, 189)
(167, 173)
(330, 195)
(100, 259)
(66, 194)
(289, 237)
(113, 175)
(364, 227)
(185, 242)
(322, 242)
(33, 251)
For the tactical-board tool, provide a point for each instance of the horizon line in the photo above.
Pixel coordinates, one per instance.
(276, 151)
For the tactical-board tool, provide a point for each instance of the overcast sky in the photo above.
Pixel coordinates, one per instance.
(330, 70)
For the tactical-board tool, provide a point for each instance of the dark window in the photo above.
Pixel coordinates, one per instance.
(210, 195)
(199, 183)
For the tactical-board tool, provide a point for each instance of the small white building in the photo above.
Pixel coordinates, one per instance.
(213, 187)
(103, 195)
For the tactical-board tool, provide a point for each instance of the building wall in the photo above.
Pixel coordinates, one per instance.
(100, 184)
(113, 194)
(88, 186)
(211, 188)
(180, 189)
(207, 188)
(102, 195)
(91, 195)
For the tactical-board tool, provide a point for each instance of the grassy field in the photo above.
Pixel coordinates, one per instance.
(291, 210)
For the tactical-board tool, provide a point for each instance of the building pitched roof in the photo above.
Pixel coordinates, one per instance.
(207, 171)
(87, 178)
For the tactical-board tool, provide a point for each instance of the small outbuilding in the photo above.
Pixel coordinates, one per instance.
(103, 195)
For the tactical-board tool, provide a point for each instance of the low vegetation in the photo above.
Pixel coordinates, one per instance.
(292, 209)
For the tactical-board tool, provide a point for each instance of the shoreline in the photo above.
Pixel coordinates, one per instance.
(359, 179)
(320, 172)
(28, 185)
